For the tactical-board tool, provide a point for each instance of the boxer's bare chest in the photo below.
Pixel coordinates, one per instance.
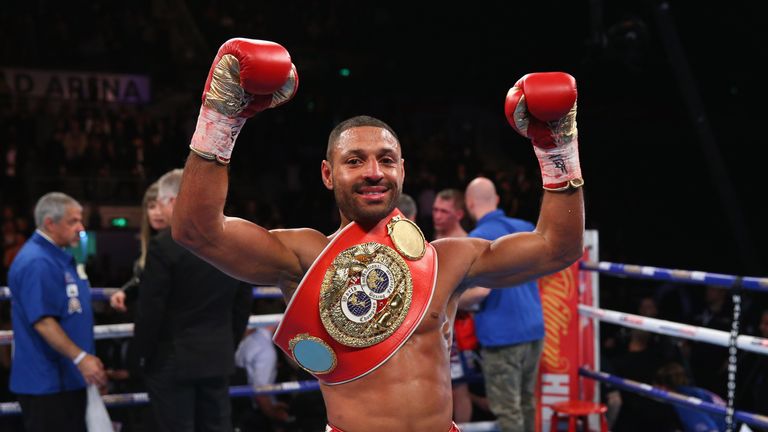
(442, 305)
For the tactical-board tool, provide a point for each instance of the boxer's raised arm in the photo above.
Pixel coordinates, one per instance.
(513, 259)
(236, 246)
(247, 76)
(542, 107)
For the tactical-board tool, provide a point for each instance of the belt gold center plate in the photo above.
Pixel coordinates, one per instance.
(365, 294)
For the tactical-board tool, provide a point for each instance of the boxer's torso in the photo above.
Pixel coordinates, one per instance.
(412, 390)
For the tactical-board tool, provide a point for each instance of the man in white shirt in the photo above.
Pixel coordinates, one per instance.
(258, 356)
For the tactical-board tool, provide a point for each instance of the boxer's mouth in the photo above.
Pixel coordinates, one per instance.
(373, 193)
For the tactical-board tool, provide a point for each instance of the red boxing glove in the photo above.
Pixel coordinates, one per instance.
(247, 76)
(542, 107)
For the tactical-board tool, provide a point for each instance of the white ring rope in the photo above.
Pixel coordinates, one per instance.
(113, 331)
(102, 294)
(671, 328)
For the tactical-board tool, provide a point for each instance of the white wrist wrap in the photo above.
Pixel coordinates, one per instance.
(215, 135)
(79, 358)
(559, 165)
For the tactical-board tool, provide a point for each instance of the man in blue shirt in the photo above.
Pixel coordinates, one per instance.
(509, 322)
(52, 322)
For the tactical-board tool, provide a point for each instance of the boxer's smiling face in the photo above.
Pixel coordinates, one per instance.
(365, 173)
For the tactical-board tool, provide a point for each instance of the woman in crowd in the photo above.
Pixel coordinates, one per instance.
(151, 222)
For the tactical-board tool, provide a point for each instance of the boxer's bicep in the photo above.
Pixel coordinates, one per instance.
(250, 253)
(556, 243)
(511, 260)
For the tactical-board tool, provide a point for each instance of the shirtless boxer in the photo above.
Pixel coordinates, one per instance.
(369, 313)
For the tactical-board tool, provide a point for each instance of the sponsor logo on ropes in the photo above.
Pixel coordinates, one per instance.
(681, 330)
(632, 319)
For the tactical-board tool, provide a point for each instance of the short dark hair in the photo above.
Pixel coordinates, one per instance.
(454, 195)
(357, 121)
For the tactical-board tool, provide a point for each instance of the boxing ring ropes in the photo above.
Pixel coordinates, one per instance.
(588, 312)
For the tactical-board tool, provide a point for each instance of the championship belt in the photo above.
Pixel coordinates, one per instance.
(360, 301)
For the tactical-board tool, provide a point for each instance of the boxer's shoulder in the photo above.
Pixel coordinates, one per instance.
(306, 243)
(449, 248)
(455, 256)
(302, 234)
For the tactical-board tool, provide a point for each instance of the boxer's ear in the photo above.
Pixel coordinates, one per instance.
(327, 173)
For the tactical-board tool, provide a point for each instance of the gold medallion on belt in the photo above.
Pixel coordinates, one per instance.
(407, 238)
(365, 294)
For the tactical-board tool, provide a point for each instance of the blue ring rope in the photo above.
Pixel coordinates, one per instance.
(130, 399)
(684, 276)
(671, 397)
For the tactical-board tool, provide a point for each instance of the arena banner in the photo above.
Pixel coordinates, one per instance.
(568, 340)
(73, 85)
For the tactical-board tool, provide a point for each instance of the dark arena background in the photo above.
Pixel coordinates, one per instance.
(98, 99)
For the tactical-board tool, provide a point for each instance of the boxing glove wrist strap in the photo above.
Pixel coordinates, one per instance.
(560, 169)
(570, 184)
(215, 135)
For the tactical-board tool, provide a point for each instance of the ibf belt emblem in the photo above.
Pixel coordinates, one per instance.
(377, 281)
(365, 295)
